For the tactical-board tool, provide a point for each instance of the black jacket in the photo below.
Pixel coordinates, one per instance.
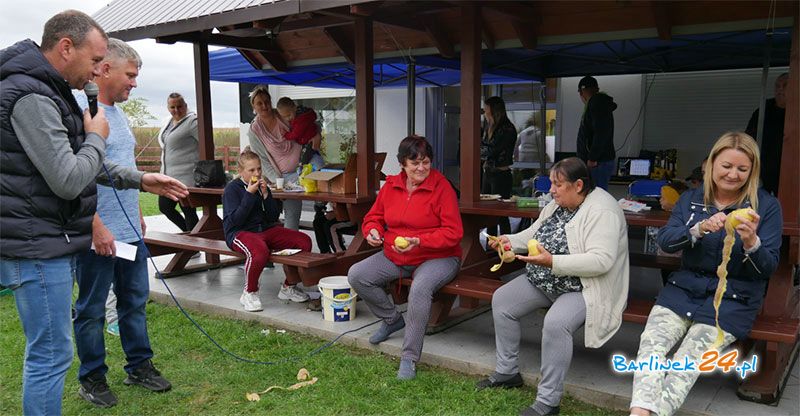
(498, 150)
(34, 222)
(596, 133)
(243, 211)
(771, 143)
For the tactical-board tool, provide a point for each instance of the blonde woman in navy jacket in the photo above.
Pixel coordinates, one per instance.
(684, 310)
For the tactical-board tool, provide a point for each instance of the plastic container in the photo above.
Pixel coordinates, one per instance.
(338, 299)
(526, 202)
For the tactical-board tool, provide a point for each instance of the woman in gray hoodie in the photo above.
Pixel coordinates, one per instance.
(179, 154)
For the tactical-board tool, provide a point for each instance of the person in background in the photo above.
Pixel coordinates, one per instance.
(529, 142)
(179, 155)
(771, 144)
(684, 312)
(328, 230)
(580, 273)
(416, 219)
(497, 153)
(99, 269)
(52, 154)
(250, 221)
(595, 144)
(279, 157)
(304, 130)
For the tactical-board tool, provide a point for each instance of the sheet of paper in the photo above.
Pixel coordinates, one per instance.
(124, 250)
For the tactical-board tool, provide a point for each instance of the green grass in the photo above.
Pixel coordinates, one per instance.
(149, 204)
(351, 381)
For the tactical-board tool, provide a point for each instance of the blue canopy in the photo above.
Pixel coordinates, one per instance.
(431, 71)
(700, 52)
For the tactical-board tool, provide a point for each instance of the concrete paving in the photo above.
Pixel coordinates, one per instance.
(467, 347)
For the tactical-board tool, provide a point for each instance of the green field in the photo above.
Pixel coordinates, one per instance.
(351, 381)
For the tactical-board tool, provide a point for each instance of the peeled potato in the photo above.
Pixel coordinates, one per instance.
(400, 242)
(253, 179)
(732, 222)
(533, 247)
(508, 256)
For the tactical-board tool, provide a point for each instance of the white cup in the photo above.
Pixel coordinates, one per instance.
(279, 183)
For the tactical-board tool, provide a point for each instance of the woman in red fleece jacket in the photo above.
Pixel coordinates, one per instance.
(420, 206)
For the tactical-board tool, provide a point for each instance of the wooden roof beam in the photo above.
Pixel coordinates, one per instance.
(261, 43)
(366, 9)
(526, 34)
(527, 13)
(486, 36)
(663, 22)
(316, 22)
(343, 40)
(439, 38)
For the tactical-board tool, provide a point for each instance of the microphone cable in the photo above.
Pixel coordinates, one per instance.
(199, 327)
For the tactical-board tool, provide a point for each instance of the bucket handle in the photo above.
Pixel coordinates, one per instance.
(336, 301)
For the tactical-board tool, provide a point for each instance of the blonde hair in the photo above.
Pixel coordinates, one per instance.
(742, 142)
(246, 156)
(258, 90)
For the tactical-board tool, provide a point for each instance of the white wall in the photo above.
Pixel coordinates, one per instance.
(391, 125)
(627, 93)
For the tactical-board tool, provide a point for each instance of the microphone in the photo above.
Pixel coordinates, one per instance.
(91, 91)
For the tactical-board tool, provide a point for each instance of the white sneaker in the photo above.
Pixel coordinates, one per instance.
(250, 301)
(293, 294)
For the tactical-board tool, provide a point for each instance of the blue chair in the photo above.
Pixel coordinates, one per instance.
(646, 188)
(541, 184)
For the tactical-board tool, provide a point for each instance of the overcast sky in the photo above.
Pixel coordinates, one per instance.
(166, 68)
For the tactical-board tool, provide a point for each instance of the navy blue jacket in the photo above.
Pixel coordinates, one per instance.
(690, 290)
(243, 211)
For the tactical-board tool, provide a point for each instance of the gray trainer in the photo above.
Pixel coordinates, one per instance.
(407, 370)
(382, 334)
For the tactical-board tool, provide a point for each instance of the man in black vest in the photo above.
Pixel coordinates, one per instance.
(50, 154)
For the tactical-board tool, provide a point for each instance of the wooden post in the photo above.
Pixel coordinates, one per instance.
(790, 181)
(202, 88)
(365, 108)
(226, 154)
(470, 102)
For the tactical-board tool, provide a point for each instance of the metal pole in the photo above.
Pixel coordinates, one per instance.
(411, 74)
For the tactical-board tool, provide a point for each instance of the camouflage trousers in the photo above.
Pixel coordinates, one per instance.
(663, 392)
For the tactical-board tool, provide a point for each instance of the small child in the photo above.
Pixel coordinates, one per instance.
(250, 221)
(304, 129)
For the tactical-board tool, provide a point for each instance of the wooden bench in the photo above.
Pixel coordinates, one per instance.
(766, 329)
(307, 266)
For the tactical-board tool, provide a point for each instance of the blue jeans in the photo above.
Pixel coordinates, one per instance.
(95, 276)
(601, 173)
(43, 293)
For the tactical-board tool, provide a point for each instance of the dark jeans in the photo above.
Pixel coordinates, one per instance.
(167, 207)
(95, 276)
(498, 182)
(328, 235)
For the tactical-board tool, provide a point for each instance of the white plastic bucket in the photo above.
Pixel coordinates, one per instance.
(338, 299)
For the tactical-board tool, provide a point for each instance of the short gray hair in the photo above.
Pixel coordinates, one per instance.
(71, 24)
(121, 51)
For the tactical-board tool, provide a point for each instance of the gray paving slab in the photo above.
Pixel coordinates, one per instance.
(467, 347)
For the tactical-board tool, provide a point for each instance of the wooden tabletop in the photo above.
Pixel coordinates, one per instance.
(315, 196)
(509, 209)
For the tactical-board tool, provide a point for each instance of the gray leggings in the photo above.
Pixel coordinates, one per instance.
(567, 313)
(370, 277)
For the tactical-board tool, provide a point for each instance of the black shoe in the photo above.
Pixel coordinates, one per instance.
(148, 377)
(269, 265)
(530, 411)
(491, 383)
(95, 390)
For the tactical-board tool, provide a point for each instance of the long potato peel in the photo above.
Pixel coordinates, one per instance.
(722, 270)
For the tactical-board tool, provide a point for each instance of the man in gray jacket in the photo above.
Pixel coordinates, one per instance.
(51, 153)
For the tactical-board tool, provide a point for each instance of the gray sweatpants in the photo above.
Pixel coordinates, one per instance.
(567, 313)
(370, 277)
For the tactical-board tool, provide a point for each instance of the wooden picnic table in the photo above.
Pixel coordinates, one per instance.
(347, 207)
(775, 333)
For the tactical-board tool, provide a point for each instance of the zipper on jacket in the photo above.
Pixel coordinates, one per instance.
(66, 237)
(746, 258)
